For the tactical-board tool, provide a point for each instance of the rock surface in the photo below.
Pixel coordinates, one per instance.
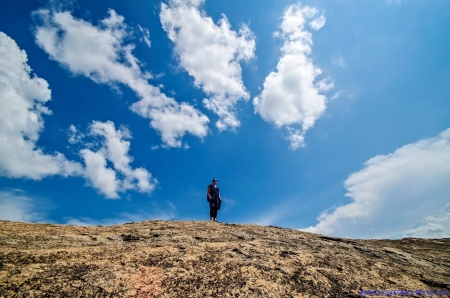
(209, 259)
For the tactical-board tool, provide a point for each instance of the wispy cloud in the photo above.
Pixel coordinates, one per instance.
(211, 54)
(340, 61)
(145, 35)
(336, 95)
(75, 136)
(228, 204)
(292, 97)
(16, 205)
(162, 214)
(272, 215)
(395, 194)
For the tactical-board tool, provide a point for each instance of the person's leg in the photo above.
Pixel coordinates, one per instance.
(215, 214)
(211, 213)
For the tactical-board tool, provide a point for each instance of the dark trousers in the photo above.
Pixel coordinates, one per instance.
(212, 212)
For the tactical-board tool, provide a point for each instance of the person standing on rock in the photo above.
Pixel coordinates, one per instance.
(214, 199)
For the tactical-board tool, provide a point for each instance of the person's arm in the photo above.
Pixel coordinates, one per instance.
(208, 192)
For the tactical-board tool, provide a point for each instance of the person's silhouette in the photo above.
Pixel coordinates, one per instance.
(214, 199)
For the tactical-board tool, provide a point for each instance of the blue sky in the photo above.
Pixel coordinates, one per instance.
(330, 117)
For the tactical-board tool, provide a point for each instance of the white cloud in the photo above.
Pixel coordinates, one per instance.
(145, 36)
(173, 121)
(393, 193)
(296, 137)
(102, 178)
(291, 95)
(336, 95)
(211, 54)
(432, 227)
(74, 135)
(22, 110)
(324, 85)
(273, 214)
(228, 204)
(340, 61)
(268, 219)
(121, 177)
(99, 53)
(16, 206)
(317, 23)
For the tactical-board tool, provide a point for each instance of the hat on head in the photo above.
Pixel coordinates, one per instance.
(214, 179)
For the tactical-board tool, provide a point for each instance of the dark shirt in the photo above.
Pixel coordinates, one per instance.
(214, 192)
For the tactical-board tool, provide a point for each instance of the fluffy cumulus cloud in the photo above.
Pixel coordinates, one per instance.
(22, 107)
(211, 54)
(292, 95)
(22, 111)
(173, 121)
(101, 54)
(119, 177)
(398, 194)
